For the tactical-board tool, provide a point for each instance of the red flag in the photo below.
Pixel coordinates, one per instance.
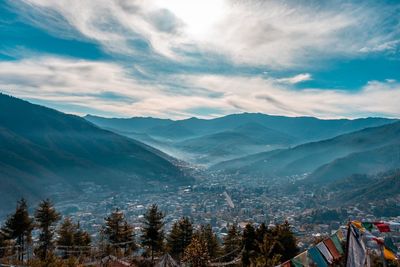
(383, 227)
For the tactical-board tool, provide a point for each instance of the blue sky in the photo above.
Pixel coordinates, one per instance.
(180, 58)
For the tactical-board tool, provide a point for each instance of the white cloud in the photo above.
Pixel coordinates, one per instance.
(387, 46)
(277, 34)
(110, 88)
(103, 86)
(296, 79)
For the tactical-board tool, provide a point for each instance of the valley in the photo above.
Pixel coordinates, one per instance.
(273, 169)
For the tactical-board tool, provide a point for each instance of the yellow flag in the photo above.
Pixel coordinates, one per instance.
(357, 224)
(389, 255)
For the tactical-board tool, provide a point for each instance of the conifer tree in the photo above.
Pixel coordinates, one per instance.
(180, 237)
(267, 255)
(261, 231)
(153, 230)
(19, 226)
(232, 243)
(71, 237)
(207, 235)
(66, 234)
(196, 253)
(118, 232)
(46, 218)
(3, 244)
(249, 244)
(82, 238)
(288, 247)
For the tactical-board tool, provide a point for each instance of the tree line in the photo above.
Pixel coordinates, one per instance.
(61, 241)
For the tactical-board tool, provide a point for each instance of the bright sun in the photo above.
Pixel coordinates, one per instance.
(199, 16)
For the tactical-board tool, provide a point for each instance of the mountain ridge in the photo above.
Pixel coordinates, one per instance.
(306, 158)
(188, 137)
(47, 147)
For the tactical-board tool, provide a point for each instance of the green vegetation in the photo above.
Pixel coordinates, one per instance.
(66, 244)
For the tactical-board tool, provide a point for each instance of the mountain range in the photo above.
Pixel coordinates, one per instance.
(366, 151)
(41, 148)
(43, 151)
(210, 141)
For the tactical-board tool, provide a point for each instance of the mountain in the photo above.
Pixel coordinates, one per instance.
(139, 124)
(209, 141)
(364, 188)
(371, 149)
(365, 162)
(41, 148)
(246, 139)
(304, 129)
(377, 194)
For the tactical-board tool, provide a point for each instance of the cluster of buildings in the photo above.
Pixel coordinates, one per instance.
(216, 200)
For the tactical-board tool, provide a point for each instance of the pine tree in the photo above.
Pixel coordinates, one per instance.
(82, 239)
(261, 231)
(267, 252)
(152, 230)
(232, 243)
(249, 244)
(46, 217)
(3, 244)
(180, 237)
(128, 237)
(71, 237)
(207, 235)
(66, 234)
(287, 241)
(196, 253)
(118, 232)
(19, 226)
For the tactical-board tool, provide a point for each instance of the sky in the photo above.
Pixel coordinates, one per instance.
(187, 58)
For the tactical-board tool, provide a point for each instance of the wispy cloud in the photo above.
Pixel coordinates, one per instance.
(277, 34)
(109, 88)
(296, 79)
(175, 58)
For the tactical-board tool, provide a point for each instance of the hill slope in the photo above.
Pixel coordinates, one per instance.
(211, 141)
(246, 139)
(375, 144)
(41, 147)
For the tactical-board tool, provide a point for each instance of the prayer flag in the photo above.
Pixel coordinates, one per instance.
(356, 251)
(325, 252)
(389, 255)
(367, 225)
(317, 258)
(332, 249)
(383, 227)
(338, 245)
(301, 260)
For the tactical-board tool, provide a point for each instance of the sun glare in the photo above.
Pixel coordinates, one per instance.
(199, 16)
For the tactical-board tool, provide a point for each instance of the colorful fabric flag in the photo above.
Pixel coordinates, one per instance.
(356, 252)
(296, 263)
(340, 234)
(301, 260)
(317, 257)
(389, 255)
(357, 224)
(367, 225)
(325, 252)
(378, 240)
(338, 245)
(383, 227)
(332, 249)
(389, 244)
(286, 264)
